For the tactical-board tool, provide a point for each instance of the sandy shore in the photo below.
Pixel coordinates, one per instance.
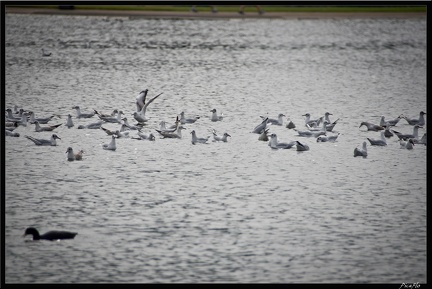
(210, 15)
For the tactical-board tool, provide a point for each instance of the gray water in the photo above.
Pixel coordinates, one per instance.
(170, 211)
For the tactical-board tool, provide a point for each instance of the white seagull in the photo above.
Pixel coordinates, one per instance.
(214, 116)
(261, 127)
(223, 138)
(371, 126)
(39, 128)
(71, 156)
(111, 119)
(69, 122)
(388, 123)
(275, 144)
(111, 146)
(184, 120)
(414, 135)
(44, 142)
(196, 139)
(331, 138)
(278, 121)
(361, 152)
(378, 142)
(140, 115)
(41, 120)
(264, 135)
(406, 144)
(420, 121)
(140, 99)
(94, 125)
(83, 115)
(145, 136)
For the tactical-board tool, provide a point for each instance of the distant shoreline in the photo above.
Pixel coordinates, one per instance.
(210, 15)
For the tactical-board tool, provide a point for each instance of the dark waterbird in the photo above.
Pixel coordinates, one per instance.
(51, 235)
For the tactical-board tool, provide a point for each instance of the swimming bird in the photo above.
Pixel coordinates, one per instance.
(278, 121)
(83, 115)
(10, 126)
(112, 145)
(11, 133)
(361, 152)
(275, 144)
(196, 139)
(129, 126)
(301, 147)
(140, 115)
(11, 117)
(308, 133)
(122, 134)
(316, 128)
(414, 135)
(108, 131)
(223, 138)
(423, 140)
(214, 116)
(290, 125)
(264, 135)
(387, 132)
(184, 120)
(330, 126)
(71, 156)
(406, 144)
(69, 122)
(113, 113)
(326, 117)
(112, 119)
(145, 136)
(420, 121)
(371, 126)
(402, 143)
(331, 138)
(313, 122)
(45, 53)
(176, 133)
(39, 128)
(378, 142)
(261, 127)
(94, 125)
(41, 120)
(44, 142)
(78, 155)
(393, 122)
(172, 128)
(51, 235)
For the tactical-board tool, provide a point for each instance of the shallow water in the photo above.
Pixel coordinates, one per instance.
(169, 211)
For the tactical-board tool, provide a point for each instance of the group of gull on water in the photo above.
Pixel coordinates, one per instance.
(314, 128)
(317, 128)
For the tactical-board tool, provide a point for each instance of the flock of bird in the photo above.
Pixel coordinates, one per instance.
(21, 117)
(319, 128)
(386, 129)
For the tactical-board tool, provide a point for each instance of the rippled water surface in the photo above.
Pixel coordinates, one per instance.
(170, 211)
